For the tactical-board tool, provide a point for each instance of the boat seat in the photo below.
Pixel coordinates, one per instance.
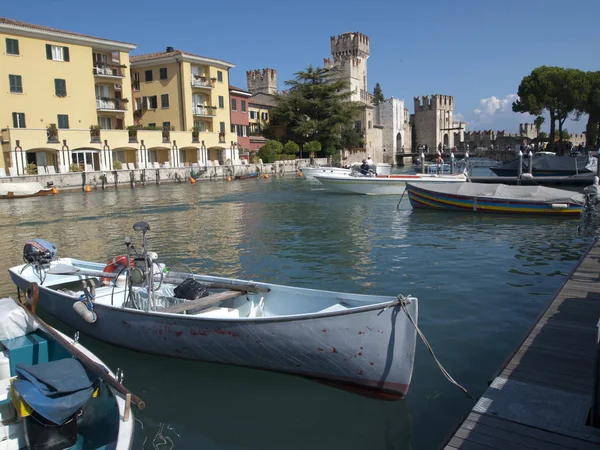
(202, 303)
(333, 308)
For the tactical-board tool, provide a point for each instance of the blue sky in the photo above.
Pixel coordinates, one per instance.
(476, 50)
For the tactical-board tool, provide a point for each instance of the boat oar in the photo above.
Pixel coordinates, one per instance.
(92, 365)
(172, 277)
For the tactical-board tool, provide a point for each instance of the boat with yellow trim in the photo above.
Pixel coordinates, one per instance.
(495, 198)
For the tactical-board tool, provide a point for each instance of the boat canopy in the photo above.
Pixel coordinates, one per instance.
(28, 188)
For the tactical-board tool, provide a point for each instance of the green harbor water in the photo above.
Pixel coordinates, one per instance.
(481, 282)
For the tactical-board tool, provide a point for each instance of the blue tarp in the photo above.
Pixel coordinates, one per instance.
(55, 390)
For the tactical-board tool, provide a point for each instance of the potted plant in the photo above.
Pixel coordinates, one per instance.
(52, 133)
(117, 165)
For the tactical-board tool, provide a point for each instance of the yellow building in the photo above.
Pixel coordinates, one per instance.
(176, 91)
(57, 89)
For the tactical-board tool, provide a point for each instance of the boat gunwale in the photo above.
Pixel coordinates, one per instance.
(239, 320)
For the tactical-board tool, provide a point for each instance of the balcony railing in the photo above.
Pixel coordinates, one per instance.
(204, 111)
(108, 70)
(201, 82)
(114, 104)
(221, 137)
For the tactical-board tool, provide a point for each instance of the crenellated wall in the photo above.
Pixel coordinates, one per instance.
(262, 81)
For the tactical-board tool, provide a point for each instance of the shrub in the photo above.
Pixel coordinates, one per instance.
(117, 165)
(31, 169)
(75, 168)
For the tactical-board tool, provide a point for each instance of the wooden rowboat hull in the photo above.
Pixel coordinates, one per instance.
(370, 346)
(422, 197)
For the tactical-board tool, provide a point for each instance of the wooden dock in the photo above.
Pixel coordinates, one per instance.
(543, 394)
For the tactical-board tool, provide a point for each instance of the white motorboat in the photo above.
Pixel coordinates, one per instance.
(381, 184)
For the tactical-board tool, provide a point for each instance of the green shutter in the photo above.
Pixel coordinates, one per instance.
(48, 51)
(15, 123)
(66, 54)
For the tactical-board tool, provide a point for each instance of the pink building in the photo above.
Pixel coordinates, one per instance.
(239, 119)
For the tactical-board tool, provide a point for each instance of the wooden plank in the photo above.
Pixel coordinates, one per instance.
(500, 439)
(457, 443)
(203, 302)
(507, 426)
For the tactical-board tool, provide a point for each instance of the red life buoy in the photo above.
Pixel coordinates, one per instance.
(118, 263)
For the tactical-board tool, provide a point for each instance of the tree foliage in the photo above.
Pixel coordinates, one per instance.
(291, 148)
(316, 107)
(312, 147)
(378, 94)
(270, 150)
(558, 91)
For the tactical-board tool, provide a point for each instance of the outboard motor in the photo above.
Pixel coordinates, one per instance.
(39, 251)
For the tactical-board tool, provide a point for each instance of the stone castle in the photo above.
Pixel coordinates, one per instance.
(387, 129)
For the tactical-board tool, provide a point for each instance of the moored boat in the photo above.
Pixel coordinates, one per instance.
(381, 184)
(310, 172)
(247, 176)
(546, 165)
(495, 198)
(54, 393)
(23, 190)
(364, 341)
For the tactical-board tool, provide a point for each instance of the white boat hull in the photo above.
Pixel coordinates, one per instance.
(310, 172)
(380, 185)
(307, 332)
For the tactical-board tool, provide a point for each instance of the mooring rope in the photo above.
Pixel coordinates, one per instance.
(405, 301)
(404, 192)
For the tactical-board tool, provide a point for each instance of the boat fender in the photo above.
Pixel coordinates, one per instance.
(559, 206)
(83, 309)
(118, 262)
(526, 176)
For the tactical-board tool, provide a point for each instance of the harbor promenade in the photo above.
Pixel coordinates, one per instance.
(543, 396)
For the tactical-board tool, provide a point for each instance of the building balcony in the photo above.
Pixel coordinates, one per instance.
(202, 82)
(108, 71)
(204, 111)
(222, 137)
(111, 104)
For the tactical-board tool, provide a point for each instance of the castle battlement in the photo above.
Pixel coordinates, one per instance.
(435, 102)
(350, 44)
(262, 81)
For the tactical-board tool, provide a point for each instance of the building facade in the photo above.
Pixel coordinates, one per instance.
(434, 125)
(239, 119)
(262, 84)
(179, 91)
(58, 89)
(394, 120)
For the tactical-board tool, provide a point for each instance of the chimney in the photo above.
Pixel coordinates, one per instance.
(170, 49)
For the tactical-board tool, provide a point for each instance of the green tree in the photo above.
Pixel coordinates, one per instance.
(556, 90)
(269, 151)
(291, 148)
(316, 107)
(539, 120)
(378, 95)
(592, 108)
(312, 147)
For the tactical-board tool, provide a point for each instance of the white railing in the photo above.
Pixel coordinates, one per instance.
(197, 82)
(203, 111)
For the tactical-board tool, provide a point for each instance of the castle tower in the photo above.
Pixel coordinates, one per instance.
(262, 81)
(434, 123)
(349, 54)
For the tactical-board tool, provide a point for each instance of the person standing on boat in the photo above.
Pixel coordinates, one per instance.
(365, 167)
(369, 160)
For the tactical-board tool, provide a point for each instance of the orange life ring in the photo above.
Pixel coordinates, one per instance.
(118, 262)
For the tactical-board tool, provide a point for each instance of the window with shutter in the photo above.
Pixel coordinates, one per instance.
(164, 100)
(60, 87)
(18, 120)
(12, 46)
(145, 102)
(233, 104)
(163, 73)
(222, 127)
(243, 105)
(63, 121)
(221, 102)
(15, 84)
(66, 54)
(148, 75)
(219, 76)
